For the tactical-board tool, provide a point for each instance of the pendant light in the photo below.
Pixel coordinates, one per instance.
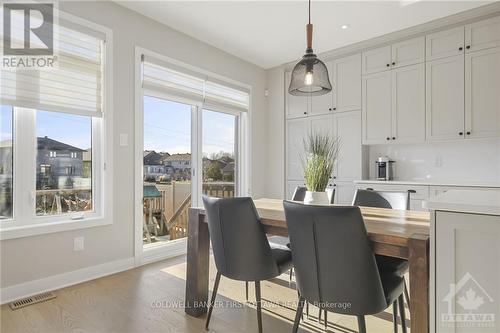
(310, 75)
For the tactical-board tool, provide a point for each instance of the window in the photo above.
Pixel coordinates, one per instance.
(59, 156)
(6, 162)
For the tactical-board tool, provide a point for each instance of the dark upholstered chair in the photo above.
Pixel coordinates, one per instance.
(240, 247)
(299, 193)
(335, 266)
(392, 200)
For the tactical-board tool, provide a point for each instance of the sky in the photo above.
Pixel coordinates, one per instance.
(167, 127)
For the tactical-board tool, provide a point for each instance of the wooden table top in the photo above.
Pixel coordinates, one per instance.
(381, 223)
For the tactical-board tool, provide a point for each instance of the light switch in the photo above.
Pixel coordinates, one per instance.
(123, 139)
(78, 244)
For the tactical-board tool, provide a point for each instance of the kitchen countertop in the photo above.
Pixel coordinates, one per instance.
(427, 183)
(468, 201)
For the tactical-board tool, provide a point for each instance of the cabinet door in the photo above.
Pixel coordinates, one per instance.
(297, 129)
(347, 78)
(482, 35)
(296, 106)
(445, 43)
(408, 112)
(467, 253)
(408, 52)
(377, 60)
(322, 124)
(482, 93)
(344, 192)
(347, 128)
(376, 113)
(445, 98)
(323, 104)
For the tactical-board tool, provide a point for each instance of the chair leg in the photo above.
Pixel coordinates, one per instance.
(402, 312)
(291, 273)
(395, 316)
(259, 309)
(298, 314)
(319, 316)
(212, 300)
(246, 290)
(407, 295)
(307, 310)
(326, 319)
(361, 324)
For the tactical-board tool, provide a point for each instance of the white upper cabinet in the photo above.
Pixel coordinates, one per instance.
(408, 104)
(482, 35)
(482, 93)
(445, 98)
(323, 104)
(445, 43)
(376, 107)
(347, 128)
(296, 106)
(347, 83)
(408, 52)
(376, 60)
(296, 131)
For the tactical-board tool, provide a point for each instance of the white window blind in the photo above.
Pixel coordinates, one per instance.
(74, 85)
(175, 81)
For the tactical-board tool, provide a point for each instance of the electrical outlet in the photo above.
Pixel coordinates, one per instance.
(78, 244)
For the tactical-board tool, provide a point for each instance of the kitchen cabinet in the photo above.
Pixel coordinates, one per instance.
(376, 107)
(347, 128)
(344, 192)
(445, 43)
(296, 106)
(347, 83)
(482, 93)
(404, 53)
(482, 35)
(323, 104)
(296, 131)
(445, 98)
(394, 106)
(467, 257)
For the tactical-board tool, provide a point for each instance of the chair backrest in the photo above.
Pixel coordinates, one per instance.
(299, 194)
(239, 243)
(331, 195)
(333, 260)
(382, 199)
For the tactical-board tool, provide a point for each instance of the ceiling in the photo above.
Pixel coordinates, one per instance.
(271, 33)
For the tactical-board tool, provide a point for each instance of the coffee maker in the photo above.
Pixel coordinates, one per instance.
(384, 168)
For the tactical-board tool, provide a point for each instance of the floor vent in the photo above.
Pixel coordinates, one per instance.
(21, 303)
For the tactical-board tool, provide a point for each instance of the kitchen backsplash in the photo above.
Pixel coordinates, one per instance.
(466, 161)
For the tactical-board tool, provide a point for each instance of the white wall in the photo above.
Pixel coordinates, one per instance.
(464, 161)
(31, 258)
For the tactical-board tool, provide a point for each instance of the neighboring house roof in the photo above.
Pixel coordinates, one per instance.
(177, 157)
(153, 158)
(51, 144)
(228, 168)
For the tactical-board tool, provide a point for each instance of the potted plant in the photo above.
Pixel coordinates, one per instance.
(321, 152)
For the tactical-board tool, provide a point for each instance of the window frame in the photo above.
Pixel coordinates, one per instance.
(24, 221)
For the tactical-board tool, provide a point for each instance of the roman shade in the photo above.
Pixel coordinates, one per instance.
(177, 81)
(74, 85)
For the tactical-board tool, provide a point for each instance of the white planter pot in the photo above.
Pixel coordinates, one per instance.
(316, 198)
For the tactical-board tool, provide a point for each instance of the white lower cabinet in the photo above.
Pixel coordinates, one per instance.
(467, 272)
(344, 192)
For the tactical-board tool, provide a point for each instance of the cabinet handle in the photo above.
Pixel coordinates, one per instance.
(460, 48)
(334, 177)
(467, 47)
(393, 63)
(388, 65)
(334, 109)
(468, 133)
(334, 185)
(305, 112)
(394, 138)
(388, 138)
(329, 109)
(460, 133)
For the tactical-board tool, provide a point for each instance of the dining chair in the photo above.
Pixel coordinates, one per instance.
(240, 247)
(392, 200)
(335, 265)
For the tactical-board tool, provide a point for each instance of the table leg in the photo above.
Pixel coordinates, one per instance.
(197, 264)
(418, 246)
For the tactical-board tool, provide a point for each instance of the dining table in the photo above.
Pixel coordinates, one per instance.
(394, 233)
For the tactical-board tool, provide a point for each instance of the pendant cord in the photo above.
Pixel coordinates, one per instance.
(309, 11)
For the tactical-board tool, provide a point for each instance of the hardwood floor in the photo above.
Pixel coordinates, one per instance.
(149, 299)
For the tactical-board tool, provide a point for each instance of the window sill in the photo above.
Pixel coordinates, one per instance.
(19, 231)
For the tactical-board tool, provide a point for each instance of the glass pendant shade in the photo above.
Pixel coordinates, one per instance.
(310, 77)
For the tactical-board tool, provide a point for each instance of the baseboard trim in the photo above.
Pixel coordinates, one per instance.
(54, 282)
